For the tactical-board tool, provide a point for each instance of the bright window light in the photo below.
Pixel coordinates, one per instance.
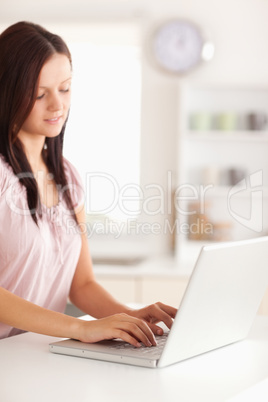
(103, 132)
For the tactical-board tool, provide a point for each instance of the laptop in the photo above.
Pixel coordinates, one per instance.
(218, 308)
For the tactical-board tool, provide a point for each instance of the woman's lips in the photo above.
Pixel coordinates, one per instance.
(54, 120)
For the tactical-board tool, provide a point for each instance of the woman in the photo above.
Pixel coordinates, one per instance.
(43, 260)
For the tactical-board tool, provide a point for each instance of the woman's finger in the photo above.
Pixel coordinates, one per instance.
(138, 328)
(123, 326)
(155, 313)
(172, 311)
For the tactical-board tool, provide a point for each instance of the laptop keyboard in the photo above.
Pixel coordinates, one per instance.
(154, 350)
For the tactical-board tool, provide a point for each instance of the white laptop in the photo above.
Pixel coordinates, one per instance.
(218, 308)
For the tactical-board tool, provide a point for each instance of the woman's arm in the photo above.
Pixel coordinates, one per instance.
(86, 293)
(135, 327)
(20, 313)
(93, 299)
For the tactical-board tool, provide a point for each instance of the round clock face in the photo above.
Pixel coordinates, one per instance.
(177, 46)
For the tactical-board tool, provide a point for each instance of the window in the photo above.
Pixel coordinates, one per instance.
(103, 132)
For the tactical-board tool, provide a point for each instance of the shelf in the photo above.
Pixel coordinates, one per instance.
(216, 145)
(222, 191)
(243, 136)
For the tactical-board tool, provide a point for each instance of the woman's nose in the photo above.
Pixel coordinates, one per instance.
(55, 102)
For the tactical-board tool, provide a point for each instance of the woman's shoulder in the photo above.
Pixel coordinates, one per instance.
(6, 174)
(4, 165)
(74, 182)
(71, 172)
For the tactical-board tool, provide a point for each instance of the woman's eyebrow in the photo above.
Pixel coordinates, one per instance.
(42, 86)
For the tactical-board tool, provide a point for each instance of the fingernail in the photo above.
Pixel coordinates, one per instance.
(159, 332)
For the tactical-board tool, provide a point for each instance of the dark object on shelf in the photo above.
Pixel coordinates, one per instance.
(257, 121)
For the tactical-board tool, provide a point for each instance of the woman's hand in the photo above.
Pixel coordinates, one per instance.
(155, 313)
(128, 328)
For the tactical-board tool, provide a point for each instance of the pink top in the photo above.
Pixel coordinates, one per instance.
(37, 263)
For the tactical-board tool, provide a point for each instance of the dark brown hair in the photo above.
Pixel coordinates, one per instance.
(24, 48)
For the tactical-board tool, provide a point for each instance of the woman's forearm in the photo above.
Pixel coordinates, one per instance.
(132, 328)
(22, 314)
(94, 300)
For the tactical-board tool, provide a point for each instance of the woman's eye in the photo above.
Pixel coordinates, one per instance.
(64, 90)
(40, 96)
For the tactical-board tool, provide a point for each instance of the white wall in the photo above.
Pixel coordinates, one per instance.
(238, 28)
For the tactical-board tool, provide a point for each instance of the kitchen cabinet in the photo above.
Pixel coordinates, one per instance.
(146, 290)
(150, 290)
(156, 279)
(123, 289)
(167, 290)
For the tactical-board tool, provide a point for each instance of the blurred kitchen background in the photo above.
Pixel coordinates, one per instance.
(168, 162)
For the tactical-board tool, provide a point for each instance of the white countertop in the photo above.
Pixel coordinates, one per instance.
(30, 373)
(158, 266)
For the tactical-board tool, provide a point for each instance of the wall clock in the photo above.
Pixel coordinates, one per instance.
(179, 45)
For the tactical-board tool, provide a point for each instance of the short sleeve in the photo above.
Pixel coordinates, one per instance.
(75, 184)
(7, 177)
(1, 177)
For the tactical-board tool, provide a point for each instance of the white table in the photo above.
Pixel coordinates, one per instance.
(30, 373)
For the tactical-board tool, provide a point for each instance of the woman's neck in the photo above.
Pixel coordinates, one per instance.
(33, 147)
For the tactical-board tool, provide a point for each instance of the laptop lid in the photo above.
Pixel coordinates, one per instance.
(218, 308)
(222, 298)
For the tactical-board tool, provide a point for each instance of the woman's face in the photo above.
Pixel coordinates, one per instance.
(53, 100)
